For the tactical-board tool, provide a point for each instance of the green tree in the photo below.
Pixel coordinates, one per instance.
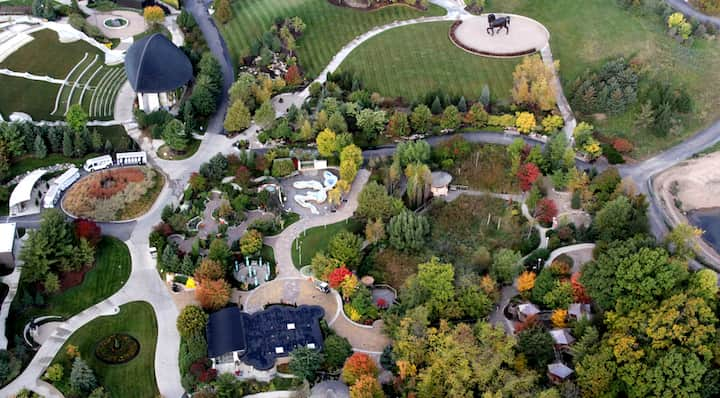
(398, 125)
(54, 373)
(251, 243)
(40, 148)
(238, 117)
(82, 377)
(76, 117)
(12, 138)
(420, 119)
(374, 203)
(450, 119)
(436, 106)
(345, 247)
(418, 183)
(175, 136)
(336, 349)
(408, 231)
(371, 123)
(305, 362)
(191, 321)
(506, 265)
(560, 297)
(265, 115)
(99, 393)
(436, 280)
(682, 241)
(537, 345)
(67, 144)
(219, 251)
(412, 152)
(474, 302)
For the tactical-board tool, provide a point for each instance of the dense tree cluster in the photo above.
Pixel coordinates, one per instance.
(611, 89)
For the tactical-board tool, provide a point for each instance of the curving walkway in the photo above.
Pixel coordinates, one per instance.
(687, 9)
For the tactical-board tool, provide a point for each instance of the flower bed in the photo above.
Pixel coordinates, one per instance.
(117, 349)
(114, 195)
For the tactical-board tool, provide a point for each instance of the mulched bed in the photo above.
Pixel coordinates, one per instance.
(375, 5)
(117, 348)
(73, 278)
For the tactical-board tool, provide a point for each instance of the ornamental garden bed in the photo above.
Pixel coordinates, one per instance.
(114, 195)
(117, 348)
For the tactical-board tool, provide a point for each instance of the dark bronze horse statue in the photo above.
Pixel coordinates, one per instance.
(499, 23)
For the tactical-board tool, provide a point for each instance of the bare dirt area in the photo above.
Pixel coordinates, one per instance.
(691, 185)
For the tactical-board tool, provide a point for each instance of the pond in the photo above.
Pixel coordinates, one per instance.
(115, 23)
(709, 221)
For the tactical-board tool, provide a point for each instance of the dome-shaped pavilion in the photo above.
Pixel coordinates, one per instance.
(157, 71)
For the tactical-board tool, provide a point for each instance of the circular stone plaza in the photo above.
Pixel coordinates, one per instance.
(524, 36)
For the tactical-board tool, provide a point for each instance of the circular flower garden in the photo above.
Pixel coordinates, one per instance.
(117, 349)
(114, 195)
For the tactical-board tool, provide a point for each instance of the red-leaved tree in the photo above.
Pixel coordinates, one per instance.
(357, 366)
(89, 230)
(545, 211)
(527, 174)
(579, 293)
(337, 276)
(292, 76)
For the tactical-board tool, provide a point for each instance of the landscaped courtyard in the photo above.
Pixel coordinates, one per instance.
(131, 379)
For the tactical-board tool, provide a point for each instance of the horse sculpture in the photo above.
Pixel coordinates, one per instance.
(499, 23)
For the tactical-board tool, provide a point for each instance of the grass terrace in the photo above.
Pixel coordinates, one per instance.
(89, 81)
(329, 27)
(317, 239)
(135, 378)
(586, 33)
(414, 60)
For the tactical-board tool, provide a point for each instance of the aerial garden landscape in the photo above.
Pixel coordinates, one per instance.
(359, 198)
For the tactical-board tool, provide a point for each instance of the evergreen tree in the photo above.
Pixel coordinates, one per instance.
(223, 12)
(40, 148)
(108, 146)
(462, 105)
(67, 144)
(174, 135)
(82, 377)
(80, 148)
(485, 96)
(96, 141)
(237, 118)
(436, 106)
(408, 231)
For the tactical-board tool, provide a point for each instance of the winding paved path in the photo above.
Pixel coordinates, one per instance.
(687, 9)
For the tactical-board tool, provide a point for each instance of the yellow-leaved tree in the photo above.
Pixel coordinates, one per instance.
(532, 83)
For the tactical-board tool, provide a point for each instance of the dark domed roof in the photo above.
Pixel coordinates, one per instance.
(155, 65)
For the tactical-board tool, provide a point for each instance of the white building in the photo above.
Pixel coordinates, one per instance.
(8, 233)
(22, 200)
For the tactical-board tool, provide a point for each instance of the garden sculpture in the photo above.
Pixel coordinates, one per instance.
(499, 23)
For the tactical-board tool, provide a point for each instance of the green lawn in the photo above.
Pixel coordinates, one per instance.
(586, 33)
(329, 27)
(134, 379)
(317, 239)
(413, 60)
(35, 56)
(36, 98)
(111, 270)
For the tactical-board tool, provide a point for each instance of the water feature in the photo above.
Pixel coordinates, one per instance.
(709, 221)
(115, 23)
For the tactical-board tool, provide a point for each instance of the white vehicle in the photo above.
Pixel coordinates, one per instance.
(60, 184)
(322, 286)
(130, 158)
(98, 163)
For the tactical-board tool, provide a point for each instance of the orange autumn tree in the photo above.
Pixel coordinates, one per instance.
(579, 293)
(357, 366)
(213, 294)
(558, 318)
(292, 76)
(154, 15)
(366, 387)
(525, 282)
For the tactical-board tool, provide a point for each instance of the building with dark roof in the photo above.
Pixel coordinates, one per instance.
(158, 72)
(259, 339)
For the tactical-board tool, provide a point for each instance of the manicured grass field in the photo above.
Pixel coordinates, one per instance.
(45, 55)
(317, 239)
(329, 27)
(586, 33)
(112, 269)
(132, 379)
(413, 60)
(36, 98)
